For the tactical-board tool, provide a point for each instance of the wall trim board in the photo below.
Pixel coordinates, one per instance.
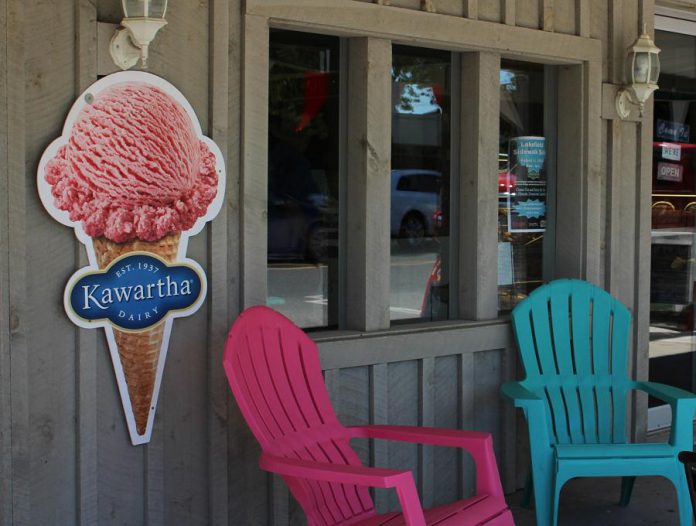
(427, 29)
(86, 359)
(20, 502)
(388, 347)
(5, 325)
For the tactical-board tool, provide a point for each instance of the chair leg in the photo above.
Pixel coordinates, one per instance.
(543, 486)
(528, 490)
(557, 486)
(626, 490)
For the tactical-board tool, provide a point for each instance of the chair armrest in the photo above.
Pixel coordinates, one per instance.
(683, 405)
(666, 393)
(520, 395)
(421, 435)
(402, 481)
(537, 414)
(339, 473)
(479, 445)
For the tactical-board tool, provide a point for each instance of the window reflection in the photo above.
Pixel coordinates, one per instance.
(303, 113)
(420, 184)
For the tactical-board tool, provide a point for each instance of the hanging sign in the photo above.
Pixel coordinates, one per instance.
(135, 178)
(672, 131)
(671, 152)
(526, 170)
(670, 172)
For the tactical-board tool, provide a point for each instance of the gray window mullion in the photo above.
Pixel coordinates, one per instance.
(478, 196)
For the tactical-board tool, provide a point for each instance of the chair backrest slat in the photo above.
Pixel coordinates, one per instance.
(619, 357)
(559, 305)
(601, 317)
(274, 371)
(573, 339)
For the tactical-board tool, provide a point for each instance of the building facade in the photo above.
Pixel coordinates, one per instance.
(385, 135)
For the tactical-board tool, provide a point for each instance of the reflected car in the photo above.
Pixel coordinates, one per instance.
(415, 196)
(302, 229)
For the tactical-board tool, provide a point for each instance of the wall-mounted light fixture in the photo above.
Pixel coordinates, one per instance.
(142, 19)
(642, 72)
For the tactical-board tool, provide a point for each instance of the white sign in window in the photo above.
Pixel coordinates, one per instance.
(671, 152)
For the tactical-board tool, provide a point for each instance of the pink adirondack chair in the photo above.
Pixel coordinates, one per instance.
(273, 369)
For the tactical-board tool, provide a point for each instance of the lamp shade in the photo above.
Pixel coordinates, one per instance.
(144, 8)
(642, 73)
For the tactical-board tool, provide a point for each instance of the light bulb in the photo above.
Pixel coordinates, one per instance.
(641, 68)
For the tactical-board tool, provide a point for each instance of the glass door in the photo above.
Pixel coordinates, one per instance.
(673, 247)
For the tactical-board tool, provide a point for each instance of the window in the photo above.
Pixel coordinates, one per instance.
(525, 177)
(306, 140)
(420, 184)
(303, 177)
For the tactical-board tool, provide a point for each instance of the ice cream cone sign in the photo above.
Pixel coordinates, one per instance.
(135, 178)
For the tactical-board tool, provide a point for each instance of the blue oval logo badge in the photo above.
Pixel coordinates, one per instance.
(135, 292)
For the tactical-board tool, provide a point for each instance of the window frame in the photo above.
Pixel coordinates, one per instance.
(481, 46)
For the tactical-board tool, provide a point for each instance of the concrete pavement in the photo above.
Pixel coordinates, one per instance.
(594, 502)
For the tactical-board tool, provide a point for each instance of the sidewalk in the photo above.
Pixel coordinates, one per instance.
(593, 501)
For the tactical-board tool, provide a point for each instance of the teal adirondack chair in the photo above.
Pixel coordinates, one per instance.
(573, 339)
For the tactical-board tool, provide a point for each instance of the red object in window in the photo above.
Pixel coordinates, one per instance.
(439, 95)
(316, 91)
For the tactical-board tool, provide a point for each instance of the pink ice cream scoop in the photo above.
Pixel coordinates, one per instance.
(133, 167)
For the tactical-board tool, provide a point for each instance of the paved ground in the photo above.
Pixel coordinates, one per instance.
(593, 501)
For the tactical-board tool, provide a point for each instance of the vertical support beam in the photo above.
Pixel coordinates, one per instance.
(616, 46)
(613, 204)
(153, 456)
(508, 454)
(547, 14)
(379, 415)
(508, 8)
(592, 168)
(5, 328)
(578, 196)
(254, 184)
(86, 366)
(471, 9)
(466, 421)
(369, 184)
(570, 199)
(641, 309)
(223, 240)
(582, 18)
(478, 199)
(17, 463)
(426, 398)
(253, 45)
(621, 137)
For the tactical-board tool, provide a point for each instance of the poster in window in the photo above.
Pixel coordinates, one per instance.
(527, 176)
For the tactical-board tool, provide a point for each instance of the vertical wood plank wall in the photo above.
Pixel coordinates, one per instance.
(65, 456)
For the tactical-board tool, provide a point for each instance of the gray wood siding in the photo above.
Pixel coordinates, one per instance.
(65, 455)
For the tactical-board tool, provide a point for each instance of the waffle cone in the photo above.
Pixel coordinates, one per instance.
(139, 351)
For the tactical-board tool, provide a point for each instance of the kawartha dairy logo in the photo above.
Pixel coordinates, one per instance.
(134, 176)
(134, 293)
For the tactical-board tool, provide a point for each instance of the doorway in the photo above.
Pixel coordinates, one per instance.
(673, 246)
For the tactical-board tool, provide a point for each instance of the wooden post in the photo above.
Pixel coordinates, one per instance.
(254, 184)
(478, 199)
(368, 189)
(86, 357)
